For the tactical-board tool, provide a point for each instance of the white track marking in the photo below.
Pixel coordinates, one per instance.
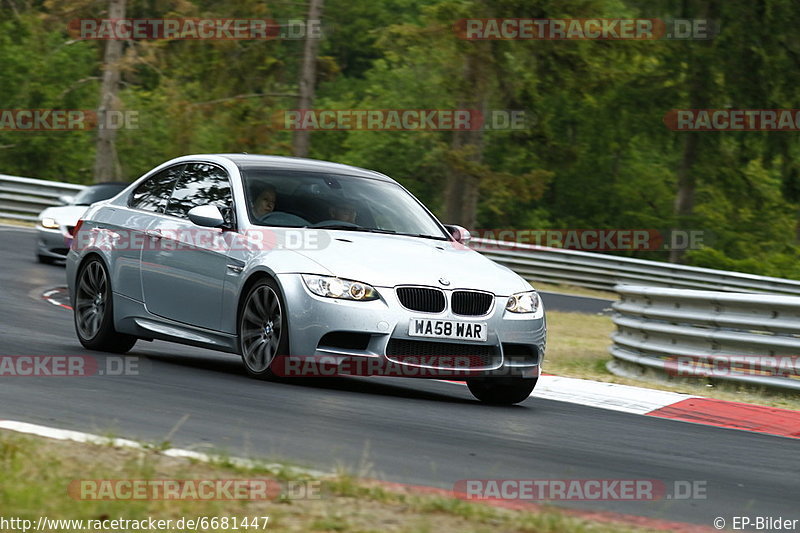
(78, 436)
(625, 398)
(611, 396)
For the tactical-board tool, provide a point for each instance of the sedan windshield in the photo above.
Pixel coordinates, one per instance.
(97, 193)
(335, 201)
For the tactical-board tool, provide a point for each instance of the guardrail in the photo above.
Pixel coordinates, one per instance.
(744, 338)
(24, 198)
(604, 271)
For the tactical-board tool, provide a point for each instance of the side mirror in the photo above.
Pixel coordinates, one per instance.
(66, 199)
(461, 235)
(207, 216)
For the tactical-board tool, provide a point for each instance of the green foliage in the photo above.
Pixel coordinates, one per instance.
(595, 152)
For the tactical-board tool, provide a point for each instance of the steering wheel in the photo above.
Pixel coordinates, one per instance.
(279, 218)
(335, 222)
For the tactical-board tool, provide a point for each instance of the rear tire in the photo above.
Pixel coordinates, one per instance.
(263, 331)
(502, 391)
(94, 311)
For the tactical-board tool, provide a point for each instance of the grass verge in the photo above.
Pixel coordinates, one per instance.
(35, 474)
(577, 346)
(15, 222)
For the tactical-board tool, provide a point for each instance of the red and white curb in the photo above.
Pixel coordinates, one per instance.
(734, 415)
(58, 297)
(670, 405)
(625, 398)
(598, 516)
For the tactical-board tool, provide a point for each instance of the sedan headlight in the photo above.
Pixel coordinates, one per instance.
(49, 223)
(523, 302)
(332, 287)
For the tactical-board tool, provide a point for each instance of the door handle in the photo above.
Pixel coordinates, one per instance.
(154, 233)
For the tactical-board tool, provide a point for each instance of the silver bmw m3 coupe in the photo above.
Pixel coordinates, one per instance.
(305, 268)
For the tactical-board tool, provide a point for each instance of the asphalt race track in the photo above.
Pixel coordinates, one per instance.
(411, 431)
(575, 304)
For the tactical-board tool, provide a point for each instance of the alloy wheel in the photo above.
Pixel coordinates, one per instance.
(261, 328)
(91, 299)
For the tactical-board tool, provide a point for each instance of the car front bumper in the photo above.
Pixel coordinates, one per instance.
(367, 336)
(52, 243)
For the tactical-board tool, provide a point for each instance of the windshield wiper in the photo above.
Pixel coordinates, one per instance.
(347, 227)
(423, 236)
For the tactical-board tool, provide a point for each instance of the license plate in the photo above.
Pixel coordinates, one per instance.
(448, 329)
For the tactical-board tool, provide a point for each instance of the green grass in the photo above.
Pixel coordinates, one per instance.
(35, 474)
(15, 222)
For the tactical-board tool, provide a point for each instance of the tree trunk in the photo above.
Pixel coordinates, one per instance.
(698, 78)
(684, 199)
(301, 141)
(105, 162)
(462, 188)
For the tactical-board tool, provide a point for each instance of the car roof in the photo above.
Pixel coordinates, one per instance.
(252, 161)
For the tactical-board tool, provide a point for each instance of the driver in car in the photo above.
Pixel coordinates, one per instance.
(344, 211)
(265, 201)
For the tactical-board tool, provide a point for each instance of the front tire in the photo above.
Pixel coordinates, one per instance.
(94, 311)
(263, 331)
(501, 391)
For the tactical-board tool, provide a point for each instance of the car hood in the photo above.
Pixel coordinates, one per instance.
(390, 260)
(65, 215)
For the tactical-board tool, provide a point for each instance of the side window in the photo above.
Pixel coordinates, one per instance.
(154, 192)
(202, 184)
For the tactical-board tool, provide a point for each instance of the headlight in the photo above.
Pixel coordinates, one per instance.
(523, 302)
(49, 223)
(332, 287)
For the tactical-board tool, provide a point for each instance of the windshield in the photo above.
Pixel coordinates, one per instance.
(97, 193)
(334, 201)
